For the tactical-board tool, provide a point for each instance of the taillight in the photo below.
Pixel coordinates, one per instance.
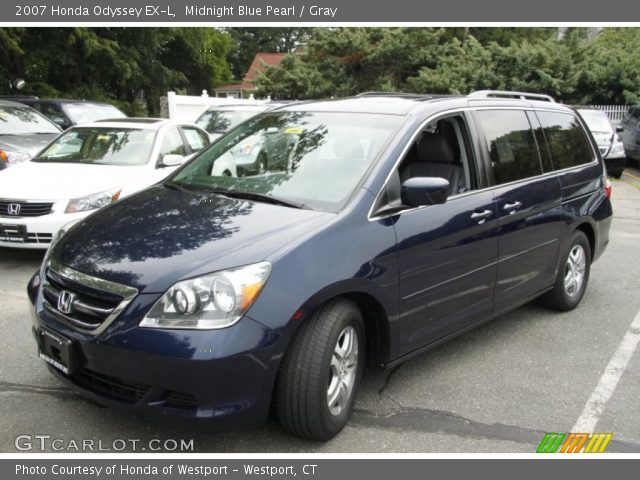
(3, 156)
(607, 188)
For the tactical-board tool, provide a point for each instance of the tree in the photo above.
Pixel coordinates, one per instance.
(131, 67)
(610, 73)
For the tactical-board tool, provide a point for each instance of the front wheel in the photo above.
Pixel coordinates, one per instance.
(321, 372)
(573, 275)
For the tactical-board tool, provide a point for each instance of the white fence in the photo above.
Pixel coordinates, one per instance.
(188, 108)
(614, 112)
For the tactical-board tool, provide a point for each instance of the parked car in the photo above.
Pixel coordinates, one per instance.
(67, 113)
(631, 134)
(86, 168)
(401, 222)
(607, 138)
(220, 119)
(23, 133)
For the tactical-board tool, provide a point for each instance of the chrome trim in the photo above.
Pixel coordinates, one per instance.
(127, 293)
(435, 116)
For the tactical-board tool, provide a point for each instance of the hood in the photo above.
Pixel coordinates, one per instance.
(29, 144)
(63, 181)
(160, 236)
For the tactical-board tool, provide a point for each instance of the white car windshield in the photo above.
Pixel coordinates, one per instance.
(103, 145)
(90, 112)
(221, 121)
(24, 121)
(309, 159)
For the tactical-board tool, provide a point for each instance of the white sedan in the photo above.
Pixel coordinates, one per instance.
(86, 168)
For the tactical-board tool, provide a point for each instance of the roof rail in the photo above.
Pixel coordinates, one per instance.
(413, 96)
(509, 94)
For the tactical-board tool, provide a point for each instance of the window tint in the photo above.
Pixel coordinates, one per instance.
(512, 146)
(566, 139)
(196, 139)
(172, 144)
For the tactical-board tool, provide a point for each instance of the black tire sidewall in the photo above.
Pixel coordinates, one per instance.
(351, 317)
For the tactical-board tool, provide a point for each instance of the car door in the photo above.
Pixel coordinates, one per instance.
(447, 255)
(528, 205)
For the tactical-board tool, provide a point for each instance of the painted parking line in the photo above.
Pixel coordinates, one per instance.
(609, 380)
(631, 175)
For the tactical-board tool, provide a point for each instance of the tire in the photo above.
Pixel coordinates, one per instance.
(307, 373)
(568, 291)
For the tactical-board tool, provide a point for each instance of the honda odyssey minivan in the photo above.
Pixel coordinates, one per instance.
(398, 222)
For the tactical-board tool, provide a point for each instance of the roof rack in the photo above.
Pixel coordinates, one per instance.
(509, 94)
(417, 96)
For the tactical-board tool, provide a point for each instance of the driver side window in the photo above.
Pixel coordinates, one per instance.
(441, 149)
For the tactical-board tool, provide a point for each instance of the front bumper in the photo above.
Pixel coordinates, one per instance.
(40, 230)
(226, 374)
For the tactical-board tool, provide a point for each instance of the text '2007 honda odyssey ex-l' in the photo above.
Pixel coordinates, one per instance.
(380, 226)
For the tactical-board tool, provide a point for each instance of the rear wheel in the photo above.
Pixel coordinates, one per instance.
(321, 372)
(573, 275)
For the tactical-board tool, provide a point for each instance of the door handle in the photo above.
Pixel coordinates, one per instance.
(512, 207)
(481, 215)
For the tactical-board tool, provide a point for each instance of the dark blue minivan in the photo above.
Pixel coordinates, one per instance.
(378, 227)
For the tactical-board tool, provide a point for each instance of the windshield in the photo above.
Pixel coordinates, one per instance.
(104, 146)
(221, 121)
(24, 121)
(90, 112)
(597, 121)
(314, 160)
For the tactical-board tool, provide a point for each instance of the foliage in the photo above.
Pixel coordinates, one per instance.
(130, 67)
(571, 64)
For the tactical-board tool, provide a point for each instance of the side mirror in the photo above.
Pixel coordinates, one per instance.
(171, 160)
(419, 191)
(619, 129)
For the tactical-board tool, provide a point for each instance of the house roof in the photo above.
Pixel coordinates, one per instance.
(261, 62)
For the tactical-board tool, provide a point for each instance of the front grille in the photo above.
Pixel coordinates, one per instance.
(86, 303)
(8, 208)
(180, 400)
(113, 387)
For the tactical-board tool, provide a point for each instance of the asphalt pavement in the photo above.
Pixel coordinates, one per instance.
(498, 388)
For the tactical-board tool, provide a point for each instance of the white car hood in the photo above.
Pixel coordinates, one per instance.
(62, 181)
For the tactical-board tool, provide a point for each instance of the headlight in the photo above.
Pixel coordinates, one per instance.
(244, 149)
(617, 149)
(13, 157)
(215, 300)
(93, 201)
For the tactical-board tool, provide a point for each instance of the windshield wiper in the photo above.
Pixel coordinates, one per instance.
(261, 197)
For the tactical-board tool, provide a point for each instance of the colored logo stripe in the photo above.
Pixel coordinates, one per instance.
(598, 442)
(550, 442)
(574, 442)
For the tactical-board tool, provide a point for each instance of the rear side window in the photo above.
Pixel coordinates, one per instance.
(512, 145)
(566, 139)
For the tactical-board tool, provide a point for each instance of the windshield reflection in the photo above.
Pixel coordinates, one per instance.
(314, 159)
